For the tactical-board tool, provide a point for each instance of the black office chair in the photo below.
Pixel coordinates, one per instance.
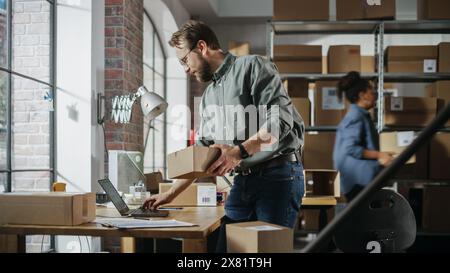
(385, 223)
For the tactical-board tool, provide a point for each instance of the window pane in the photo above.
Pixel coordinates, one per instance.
(3, 117)
(159, 59)
(30, 125)
(159, 128)
(31, 181)
(148, 42)
(31, 38)
(3, 33)
(3, 182)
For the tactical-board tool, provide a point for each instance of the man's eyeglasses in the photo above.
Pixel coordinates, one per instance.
(183, 61)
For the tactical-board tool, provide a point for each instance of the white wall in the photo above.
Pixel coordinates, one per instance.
(80, 70)
(74, 96)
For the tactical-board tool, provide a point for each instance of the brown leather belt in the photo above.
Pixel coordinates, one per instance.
(293, 157)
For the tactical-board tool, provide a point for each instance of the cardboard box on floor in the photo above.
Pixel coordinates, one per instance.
(322, 183)
(440, 157)
(298, 58)
(53, 208)
(409, 111)
(197, 194)
(296, 88)
(436, 208)
(412, 59)
(305, 10)
(361, 10)
(259, 237)
(192, 162)
(303, 106)
(433, 9)
(329, 110)
(440, 90)
(344, 58)
(444, 57)
(318, 151)
(239, 48)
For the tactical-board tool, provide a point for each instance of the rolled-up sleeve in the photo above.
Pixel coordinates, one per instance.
(351, 138)
(267, 90)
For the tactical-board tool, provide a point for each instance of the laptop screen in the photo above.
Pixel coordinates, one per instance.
(114, 195)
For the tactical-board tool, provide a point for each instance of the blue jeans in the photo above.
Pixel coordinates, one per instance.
(272, 195)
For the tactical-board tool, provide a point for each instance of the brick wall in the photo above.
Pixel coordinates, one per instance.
(30, 119)
(124, 69)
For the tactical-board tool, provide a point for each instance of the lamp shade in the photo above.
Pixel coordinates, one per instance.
(152, 104)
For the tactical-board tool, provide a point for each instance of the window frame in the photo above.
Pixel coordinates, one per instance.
(156, 41)
(9, 171)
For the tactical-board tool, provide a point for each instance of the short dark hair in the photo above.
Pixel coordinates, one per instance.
(352, 85)
(192, 32)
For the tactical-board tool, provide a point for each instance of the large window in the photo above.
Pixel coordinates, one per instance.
(26, 95)
(154, 80)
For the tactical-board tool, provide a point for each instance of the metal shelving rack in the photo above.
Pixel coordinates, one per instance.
(377, 28)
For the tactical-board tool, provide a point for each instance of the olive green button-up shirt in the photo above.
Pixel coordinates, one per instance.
(245, 95)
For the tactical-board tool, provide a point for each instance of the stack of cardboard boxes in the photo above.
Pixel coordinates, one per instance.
(418, 59)
(364, 10)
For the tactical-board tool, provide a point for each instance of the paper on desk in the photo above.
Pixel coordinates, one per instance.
(129, 223)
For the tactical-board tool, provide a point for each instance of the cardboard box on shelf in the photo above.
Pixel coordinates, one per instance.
(152, 181)
(305, 10)
(433, 9)
(440, 157)
(367, 64)
(286, 67)
(49, 209)
(318, 151)
(409, 111)
(444, 57)
(259, 237)
(298, 58)
(329, 110)
(412, 59)
(436, 208)
(296, 88)
(397, 142)
(440, 90)
(239, 48)
(303, 106)
(197, 194)
(192, 162)
(362, 10)
(418, 169)
(344, 58)
(322, 183)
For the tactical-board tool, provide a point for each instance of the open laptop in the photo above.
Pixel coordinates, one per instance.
(122, 207)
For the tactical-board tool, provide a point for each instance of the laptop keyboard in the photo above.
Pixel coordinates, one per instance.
(149, 213)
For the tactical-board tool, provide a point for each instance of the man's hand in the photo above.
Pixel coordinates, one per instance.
(229, 159)
(157, 200)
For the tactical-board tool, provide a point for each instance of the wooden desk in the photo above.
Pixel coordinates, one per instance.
(322, 203)
(194, 238)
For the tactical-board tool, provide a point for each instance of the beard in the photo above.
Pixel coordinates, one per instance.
(204, 74)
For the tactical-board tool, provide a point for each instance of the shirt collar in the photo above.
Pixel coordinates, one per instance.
(361, 110)
(223, 68)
